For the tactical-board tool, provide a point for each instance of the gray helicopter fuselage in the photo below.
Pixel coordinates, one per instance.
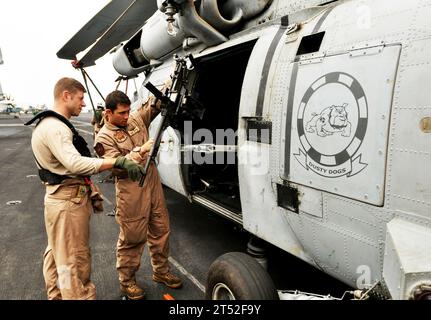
(341, 179)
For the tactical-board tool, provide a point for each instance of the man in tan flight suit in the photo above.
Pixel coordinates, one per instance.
(58, 150)
(141, 211)
(98, 120)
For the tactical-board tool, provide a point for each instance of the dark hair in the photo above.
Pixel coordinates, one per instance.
(67, 84)
(115, 98)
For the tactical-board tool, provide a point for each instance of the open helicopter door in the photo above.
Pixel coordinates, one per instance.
(198, 157)
(210, 166)
(169, 156)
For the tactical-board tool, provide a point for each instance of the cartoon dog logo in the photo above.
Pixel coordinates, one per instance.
(331, 120)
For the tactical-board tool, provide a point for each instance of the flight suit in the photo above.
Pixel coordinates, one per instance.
(67, 259)
(98, 121)
(141, 211)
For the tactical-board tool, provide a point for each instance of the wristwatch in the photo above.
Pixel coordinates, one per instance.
(137, 149)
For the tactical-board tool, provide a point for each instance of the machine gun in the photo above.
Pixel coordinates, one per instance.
(173, 100)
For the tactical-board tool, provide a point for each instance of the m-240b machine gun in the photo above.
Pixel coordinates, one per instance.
(174, 102)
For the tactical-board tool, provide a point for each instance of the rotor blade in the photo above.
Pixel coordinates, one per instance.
(131, 20)
(93, 29)
(1, 57)
(125, 25)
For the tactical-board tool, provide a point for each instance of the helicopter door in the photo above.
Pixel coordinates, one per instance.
(336, 118)
(169, 156)
(169, 160)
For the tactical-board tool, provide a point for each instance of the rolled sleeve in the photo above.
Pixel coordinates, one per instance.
(61, 145)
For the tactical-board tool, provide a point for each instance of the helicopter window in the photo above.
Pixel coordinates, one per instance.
(310, 43)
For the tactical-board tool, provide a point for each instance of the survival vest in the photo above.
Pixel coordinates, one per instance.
(78, 142)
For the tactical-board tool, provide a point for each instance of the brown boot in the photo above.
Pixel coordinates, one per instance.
(168, 279)
(132, 291)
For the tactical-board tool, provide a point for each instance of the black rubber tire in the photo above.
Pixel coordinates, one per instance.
(243, 275)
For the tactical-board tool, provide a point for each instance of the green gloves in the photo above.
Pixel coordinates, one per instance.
(134, 170)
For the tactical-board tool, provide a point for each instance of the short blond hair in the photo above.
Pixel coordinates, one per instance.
(67, 84)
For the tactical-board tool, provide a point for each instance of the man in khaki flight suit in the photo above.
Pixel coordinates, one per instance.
(141, 211)
(69, 193)
(98, 120)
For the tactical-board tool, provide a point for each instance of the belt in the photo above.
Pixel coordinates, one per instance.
(68, 191)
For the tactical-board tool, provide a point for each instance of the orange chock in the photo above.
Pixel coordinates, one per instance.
(167, 296)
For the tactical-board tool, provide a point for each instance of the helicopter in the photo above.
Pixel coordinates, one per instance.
(309, 125)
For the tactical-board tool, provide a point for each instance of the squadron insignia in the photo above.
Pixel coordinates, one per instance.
(134, 131)
(120, 136)
(332, 132)
(81, 192)
(100, 150)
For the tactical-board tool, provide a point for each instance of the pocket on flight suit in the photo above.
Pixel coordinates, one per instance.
(134, 230)
(70, 199)
(83, 263)
(57, 203)
(131, 203)
(56, 194)
(62, 205)
(60, 192)
(132, 212)
(80, 283)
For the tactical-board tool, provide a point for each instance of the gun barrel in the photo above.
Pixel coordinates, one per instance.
(147, 165)
(156, 92)
(178, 78)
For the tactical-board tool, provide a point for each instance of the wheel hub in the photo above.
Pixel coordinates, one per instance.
(222, 292)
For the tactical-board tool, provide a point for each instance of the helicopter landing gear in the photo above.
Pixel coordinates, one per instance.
(238, 276)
